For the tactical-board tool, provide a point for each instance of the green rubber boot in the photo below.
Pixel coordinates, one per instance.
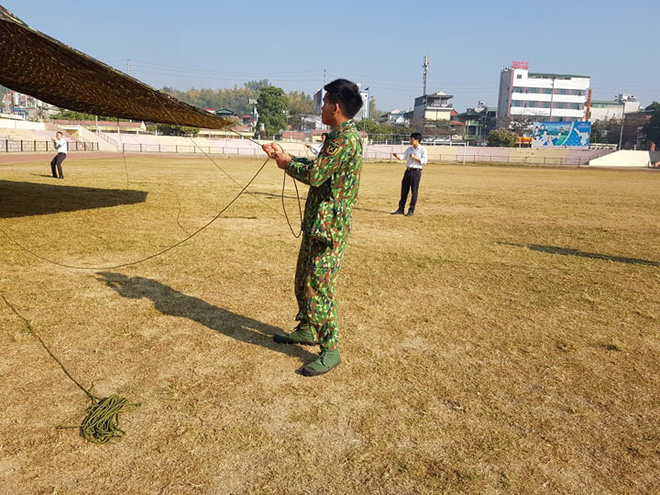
(300, 335)
(324, 363)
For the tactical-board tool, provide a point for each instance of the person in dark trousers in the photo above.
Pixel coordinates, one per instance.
(56, 163)
(333, 178)
(416, 157)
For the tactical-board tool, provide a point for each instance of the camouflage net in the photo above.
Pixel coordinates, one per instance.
(38, 65)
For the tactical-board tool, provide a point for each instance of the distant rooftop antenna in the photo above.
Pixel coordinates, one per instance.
(425, 73)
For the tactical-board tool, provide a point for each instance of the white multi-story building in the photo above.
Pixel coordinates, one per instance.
(541, 97)
(606, 110)
(622, 105)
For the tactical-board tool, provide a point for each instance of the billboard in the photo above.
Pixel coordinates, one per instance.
(561, 134)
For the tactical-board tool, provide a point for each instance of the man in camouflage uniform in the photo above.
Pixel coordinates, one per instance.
(334, 178)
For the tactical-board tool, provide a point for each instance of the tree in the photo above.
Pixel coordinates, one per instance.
(606, 131)
(298, 105)
(598, 132)
(176, 130)
(633, 124)
(73, 115)
(257, 86)
(271, 105)
(652, 127)
(374, 113)
(502, 138)
(237, 99)
(381, 132)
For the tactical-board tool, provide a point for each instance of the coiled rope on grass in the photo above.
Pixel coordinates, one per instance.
(102, 421)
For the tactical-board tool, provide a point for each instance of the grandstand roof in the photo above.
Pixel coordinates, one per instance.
(38, 65)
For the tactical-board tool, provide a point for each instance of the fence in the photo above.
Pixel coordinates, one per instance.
(371, 152)
(181, 148)
(503, 156)
(35, 146)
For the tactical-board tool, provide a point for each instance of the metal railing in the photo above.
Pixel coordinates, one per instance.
(191, 149)
(466, 155)
(384, 155)
(36, 146)
(107, 139)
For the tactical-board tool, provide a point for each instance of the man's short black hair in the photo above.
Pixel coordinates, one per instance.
(417, 136)
(346, 94)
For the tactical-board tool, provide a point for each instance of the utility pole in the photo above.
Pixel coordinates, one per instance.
(552, 98)
(425, 73)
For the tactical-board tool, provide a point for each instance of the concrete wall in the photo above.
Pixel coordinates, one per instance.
(623, 158)
(21, 124)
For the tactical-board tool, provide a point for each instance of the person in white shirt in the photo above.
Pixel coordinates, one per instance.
(316, 148)
(416, 157)
(62, 148)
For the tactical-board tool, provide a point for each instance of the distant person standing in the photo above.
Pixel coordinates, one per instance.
(316, 148)
(416, 157)
(62, 148)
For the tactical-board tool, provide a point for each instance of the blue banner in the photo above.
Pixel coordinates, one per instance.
(561, 134)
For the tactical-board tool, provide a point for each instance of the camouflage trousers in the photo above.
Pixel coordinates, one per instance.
(316, 276)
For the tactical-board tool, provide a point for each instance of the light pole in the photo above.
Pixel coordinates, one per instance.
(623, 117)
(552, 97)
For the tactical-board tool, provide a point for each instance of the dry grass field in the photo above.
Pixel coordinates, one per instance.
(503, 340)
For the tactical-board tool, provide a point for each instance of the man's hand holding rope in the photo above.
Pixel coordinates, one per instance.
(275, 152)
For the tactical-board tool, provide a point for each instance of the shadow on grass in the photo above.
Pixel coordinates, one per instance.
(20, 199)
(171, 302)
(302, 199)
(583, 254)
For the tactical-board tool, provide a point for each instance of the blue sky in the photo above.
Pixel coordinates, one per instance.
(379, 43)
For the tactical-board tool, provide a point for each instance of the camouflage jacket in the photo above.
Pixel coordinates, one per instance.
(334, 178)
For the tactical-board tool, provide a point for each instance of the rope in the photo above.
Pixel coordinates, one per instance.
(193, 234)
(157, 98)
(299, 208)
(146, 258)
(102, 421)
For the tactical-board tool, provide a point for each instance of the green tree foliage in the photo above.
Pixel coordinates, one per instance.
(256, 86)
(73, 115)
(237, 99)
(652, 127)
(374, 113)
(633, 126)
(381, 132)
(176, 130)
(299, 105)
(272, 105)
(607, 131)
(502, 138)
(613, 130)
